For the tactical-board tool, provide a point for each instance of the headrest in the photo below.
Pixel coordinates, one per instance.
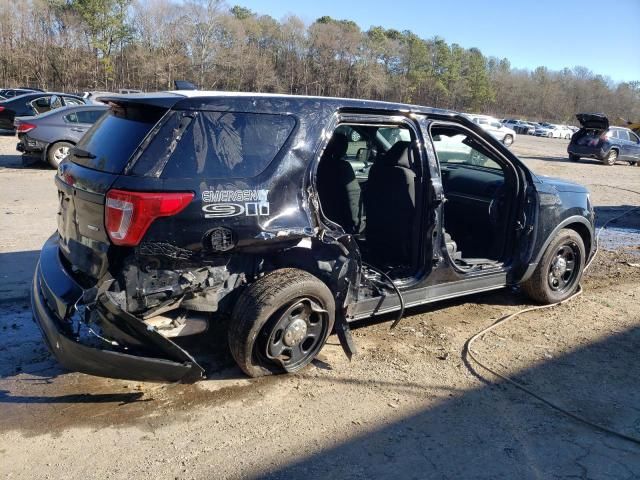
(337, 146)
(399, 155)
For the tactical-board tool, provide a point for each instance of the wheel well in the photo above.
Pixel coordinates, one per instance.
(584, 233)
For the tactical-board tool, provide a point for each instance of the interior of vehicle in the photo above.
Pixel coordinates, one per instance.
(478, 190)
(367, 181)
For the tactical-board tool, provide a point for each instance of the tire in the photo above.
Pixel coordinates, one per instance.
(554, 279)
(567, 136)
(507, 140)
(268, 317)
(611, 157)
(58, 152)
(574, 158)
(550, 135)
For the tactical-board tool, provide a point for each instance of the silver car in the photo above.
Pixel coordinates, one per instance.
(49, 136)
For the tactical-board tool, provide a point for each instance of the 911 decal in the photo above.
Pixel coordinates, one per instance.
(231, 203)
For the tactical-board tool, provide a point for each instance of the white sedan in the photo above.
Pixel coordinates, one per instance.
(553, 131)
(494, 127)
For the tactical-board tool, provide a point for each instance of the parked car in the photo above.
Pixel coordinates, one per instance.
(14, 92)
(50, 136)
(92, 96)
(33, 103)
(552, 131)
(492, 125)
(596, 139)
(518, 126)
(182, 209)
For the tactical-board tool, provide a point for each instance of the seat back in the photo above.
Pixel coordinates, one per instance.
(337, 185)
(391, 205)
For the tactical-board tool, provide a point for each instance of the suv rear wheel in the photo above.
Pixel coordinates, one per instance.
(611, 157)
(280, 322)
(558, 274)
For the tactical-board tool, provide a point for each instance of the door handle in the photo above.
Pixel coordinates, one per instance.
(78, 129)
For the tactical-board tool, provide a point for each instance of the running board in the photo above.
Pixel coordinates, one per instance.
(421, 296)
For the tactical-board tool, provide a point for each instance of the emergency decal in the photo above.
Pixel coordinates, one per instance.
(231, 203)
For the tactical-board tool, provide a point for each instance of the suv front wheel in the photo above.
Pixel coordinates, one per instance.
(558, 274)
(280, 322)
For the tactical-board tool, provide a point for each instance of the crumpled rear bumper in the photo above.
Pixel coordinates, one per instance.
(54, 296)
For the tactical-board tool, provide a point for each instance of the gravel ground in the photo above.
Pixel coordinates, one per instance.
(408, 406)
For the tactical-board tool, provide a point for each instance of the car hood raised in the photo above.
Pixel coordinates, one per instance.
(597, 121)
(563, 185)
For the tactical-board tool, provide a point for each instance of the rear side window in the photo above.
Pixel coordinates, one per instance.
(215, 145)
(110, 142)
(89, 116)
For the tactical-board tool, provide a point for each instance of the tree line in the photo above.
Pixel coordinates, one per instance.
(79, 45)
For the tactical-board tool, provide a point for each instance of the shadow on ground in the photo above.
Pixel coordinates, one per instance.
(496, 431)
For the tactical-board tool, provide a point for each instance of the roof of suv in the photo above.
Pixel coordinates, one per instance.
(191, 98)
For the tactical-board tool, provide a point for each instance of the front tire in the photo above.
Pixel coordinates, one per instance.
(611, 157)
(507, 140)
(280, 322)
(558, 274)
(58, 152)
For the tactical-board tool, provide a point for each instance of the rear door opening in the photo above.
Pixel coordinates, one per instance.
(369, 181)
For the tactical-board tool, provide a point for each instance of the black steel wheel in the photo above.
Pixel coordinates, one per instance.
(281, 322)
(559, 271)
(295, 335)
(563, 268)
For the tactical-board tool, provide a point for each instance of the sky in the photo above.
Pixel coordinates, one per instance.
(602, 36)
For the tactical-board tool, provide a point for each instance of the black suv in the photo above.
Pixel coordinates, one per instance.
(284, 218)
(608, 144)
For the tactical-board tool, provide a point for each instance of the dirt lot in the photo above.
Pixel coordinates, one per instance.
(408, 406)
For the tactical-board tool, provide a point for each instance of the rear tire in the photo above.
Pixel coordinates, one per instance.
(611, 157)
(558, 274)
(507, 140)
(286, 313)
(574, 158)
(58, 152)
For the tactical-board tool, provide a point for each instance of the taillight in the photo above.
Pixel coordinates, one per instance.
(25, 127)
(1, 109)
(129, 214)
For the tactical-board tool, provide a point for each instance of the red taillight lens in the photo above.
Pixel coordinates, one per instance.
(25, 127)
(129, 214)
(1, 109)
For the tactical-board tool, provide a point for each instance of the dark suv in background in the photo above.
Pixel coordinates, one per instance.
(278, 218)
(596, 139)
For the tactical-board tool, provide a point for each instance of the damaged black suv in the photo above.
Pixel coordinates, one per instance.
(285, 218)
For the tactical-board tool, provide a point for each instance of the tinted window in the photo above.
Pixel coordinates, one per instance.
(623, 135)
(112, 140)
(71, 118)
(89, 116)
(215, 145)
